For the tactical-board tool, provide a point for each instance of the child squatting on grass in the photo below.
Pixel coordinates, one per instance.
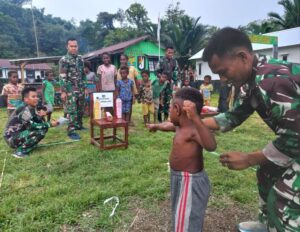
(190, 185)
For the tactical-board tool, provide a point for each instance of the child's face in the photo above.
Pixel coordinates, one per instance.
(106, 59)
(123, 61)
(206, 80)
(124, 74)
(145, 77)
(50, 77)
(186, 83)
(163, 78)
(31, 99)
(13, 78)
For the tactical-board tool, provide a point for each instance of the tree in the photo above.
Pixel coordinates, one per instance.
(18, 2)
(291, 17)
(137, 15)
(260, 27)
(119, 35)
(106, 20)
(187, 36)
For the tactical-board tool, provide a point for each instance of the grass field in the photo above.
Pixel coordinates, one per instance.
(63, 187)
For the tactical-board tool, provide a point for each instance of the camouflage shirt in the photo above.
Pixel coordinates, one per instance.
(71, 74)
(274, 93)
(23, 118)
(169, 66)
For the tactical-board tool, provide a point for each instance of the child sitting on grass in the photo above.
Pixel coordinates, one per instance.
(125, 92)
(146, 97)
(190, 185)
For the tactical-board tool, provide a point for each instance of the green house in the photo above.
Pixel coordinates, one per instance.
(142, 52)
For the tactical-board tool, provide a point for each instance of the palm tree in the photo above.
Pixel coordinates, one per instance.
(187, 36)
(291, 17)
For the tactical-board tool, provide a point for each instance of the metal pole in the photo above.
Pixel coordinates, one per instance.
(275, 51)
(35, 32)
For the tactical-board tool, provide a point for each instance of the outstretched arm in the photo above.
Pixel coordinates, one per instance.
(165, 126)
(206, 139)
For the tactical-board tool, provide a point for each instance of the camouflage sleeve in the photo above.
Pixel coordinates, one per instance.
(32, 122)
(241, 110)
(83, 73)
(63, 70)
(39, 125)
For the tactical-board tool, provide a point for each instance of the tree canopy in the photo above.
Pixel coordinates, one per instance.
(185, 33)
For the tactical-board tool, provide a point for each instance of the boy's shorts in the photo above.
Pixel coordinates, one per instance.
(156, 104)
(148, 108)
(189, 197)
(126, 106)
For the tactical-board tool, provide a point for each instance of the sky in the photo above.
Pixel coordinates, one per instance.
(218, 13)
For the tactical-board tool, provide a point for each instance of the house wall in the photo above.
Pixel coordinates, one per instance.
(148, 52)
(5, 71)
(293, 53)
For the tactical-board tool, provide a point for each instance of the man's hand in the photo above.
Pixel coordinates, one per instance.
(190, 109)
(54, 123)
(235, 160)
(63, 96)
(152, 127)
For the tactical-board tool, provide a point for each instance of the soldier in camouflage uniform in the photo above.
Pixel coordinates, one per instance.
(169, 66)
(272, 89)
(73, 81)
(26, 126)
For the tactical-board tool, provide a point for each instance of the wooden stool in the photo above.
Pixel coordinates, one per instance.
(104, 124)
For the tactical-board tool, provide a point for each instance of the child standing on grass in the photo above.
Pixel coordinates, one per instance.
(48, 92)
(125, 89)
(190, 185)
(146, 97)
(206, 89)
(158, 86)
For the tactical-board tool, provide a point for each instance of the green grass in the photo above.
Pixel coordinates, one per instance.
(67, 184)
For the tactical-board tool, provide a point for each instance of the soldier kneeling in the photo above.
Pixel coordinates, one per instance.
(26, 127)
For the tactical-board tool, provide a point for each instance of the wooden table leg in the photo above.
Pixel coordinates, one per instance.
(101, 138)
(114, 133)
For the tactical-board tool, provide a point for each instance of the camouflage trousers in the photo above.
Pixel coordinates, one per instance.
(75, 109)
(279, 192)
(27, 140)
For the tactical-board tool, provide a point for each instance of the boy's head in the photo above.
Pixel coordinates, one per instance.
(124, 72)
(145, 75)
(87, 66)
(29, 96)
(163, 77)
(49, 75)
(13, 77)
(207, 79)
(106, 58)
(176, 111)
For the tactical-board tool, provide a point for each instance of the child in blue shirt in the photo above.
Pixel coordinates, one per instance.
(124, 90)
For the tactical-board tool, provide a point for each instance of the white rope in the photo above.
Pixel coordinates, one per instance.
(116, 205)
(2, 173)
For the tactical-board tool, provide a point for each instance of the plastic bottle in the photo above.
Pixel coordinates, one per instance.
(119, 107)
(97, 109)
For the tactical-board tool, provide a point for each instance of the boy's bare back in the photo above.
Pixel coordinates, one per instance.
(186, 154)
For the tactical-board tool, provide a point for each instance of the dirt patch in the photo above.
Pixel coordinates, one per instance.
(217, 219)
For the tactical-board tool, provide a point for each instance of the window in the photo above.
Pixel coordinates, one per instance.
(1, 73)
(199, 69)
(43, 74)
(285, 57)
(152, 64)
